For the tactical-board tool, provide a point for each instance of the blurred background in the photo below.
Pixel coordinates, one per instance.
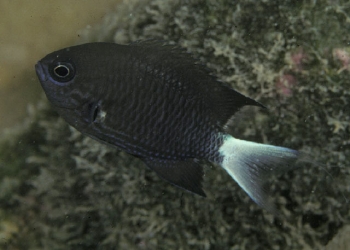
(28, 31)
(31, 29)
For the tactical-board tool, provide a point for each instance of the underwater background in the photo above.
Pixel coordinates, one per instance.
(62, 190)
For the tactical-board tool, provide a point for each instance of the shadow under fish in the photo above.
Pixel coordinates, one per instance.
(158, 103)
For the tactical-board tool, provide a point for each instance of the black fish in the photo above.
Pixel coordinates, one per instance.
(156, 102)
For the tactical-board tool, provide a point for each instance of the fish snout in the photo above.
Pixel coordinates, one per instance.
(40, 72)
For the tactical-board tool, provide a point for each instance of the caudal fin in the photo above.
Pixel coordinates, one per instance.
(249, 164)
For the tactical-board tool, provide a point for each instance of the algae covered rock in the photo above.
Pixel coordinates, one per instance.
(66, 191)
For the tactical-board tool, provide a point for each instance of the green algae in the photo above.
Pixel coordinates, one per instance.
(79, 194)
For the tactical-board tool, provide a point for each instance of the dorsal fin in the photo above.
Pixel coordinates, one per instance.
(221, 100)
(226, 102)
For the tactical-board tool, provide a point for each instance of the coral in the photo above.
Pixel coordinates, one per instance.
(80, 194)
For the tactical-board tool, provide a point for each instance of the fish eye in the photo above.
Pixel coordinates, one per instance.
(62, 71)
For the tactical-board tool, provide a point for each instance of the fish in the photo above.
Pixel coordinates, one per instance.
(159, 103)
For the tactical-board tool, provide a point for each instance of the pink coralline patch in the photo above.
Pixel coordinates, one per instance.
(343, 57)
(285, 84)
(296, 59)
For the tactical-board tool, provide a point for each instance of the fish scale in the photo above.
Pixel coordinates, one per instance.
(158, 103)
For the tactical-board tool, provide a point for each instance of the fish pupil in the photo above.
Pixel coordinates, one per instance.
(61, 71)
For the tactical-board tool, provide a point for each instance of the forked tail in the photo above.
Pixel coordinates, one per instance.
(249, 164)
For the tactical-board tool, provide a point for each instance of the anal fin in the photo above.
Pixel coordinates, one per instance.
(186, 174)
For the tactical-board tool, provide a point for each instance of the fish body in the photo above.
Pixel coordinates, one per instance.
(158, 103)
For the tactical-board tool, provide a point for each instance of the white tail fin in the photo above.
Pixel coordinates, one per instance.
(249, 164)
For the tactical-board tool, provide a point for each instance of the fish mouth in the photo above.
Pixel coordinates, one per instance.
(40, 71)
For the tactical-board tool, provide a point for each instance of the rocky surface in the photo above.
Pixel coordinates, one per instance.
(291, 56)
